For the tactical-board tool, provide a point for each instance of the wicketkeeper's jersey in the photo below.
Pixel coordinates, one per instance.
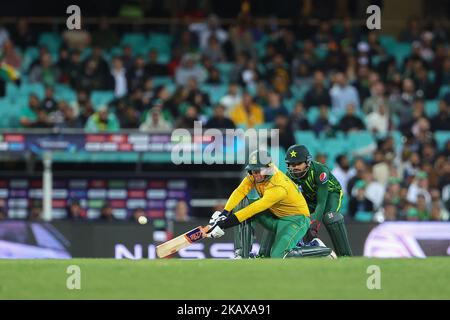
(279, 194)
(316, 185)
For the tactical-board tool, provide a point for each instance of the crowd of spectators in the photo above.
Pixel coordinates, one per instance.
(343, 70)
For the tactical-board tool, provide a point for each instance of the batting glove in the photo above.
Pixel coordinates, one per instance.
(215, 232)
(217, 216)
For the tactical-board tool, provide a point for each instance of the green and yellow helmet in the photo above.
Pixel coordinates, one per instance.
(297, 154)
(260, 160)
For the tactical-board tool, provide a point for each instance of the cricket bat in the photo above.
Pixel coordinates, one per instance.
(180, 242)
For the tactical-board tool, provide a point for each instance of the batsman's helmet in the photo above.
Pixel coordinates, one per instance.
(260, 160)
(297, 154)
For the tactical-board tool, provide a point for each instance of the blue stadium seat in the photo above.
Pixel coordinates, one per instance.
(35, 88)
(290, 104)
(30, 55)
(224, 70)
(359, 139)
(9, 114)
(50, 40)
(321, 52)
(279, 161)
(265, 125)
(364, 216)
(11, 89)
(305, 137)
(159, 81)
(100, 98)
(64, 92)
(312, 115)
(444, 90)
(400, 51)
(431, 108)
(299, 92)
(387, 41)
(398, 139)
(86, 53)
(441, 138)
(215, 92)
(133, 40)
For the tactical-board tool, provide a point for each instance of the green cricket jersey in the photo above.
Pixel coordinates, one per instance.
(315, 186)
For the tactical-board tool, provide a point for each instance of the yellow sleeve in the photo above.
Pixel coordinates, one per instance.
(238, 194)
(270, 197)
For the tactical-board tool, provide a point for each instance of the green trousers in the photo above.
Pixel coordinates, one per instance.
(333, 204)
(286, 231)
(334, 223)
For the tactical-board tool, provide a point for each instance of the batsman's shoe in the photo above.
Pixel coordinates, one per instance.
(238, 254)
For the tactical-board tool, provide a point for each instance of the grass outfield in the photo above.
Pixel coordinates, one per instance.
(226, 279)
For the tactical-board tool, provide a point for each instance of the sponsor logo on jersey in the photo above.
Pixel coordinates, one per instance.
(323, 177)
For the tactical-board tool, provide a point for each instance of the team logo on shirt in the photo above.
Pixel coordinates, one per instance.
(323, 177)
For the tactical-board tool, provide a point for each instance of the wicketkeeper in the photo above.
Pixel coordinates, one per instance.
(323, 193)
(281, 209)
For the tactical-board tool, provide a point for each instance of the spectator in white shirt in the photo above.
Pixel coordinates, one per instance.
(155, 121)
(211, 28)
(378, 120)
(343, 172)
(188, 70)
(120, 80)
(419, 187)
(231, 99)
(343, 94)
(374, 190)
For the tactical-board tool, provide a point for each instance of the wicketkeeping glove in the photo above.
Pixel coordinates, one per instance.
(312, 232)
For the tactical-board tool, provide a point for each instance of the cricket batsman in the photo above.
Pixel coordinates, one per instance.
(323, 194)
(281, 209)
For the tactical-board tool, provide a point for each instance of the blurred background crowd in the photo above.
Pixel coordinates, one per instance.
(374, 107)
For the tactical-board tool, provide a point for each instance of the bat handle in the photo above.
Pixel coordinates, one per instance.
(205, 230)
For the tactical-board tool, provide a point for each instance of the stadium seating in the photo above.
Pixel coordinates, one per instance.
(359, 139)
(431, 108)
(442, 137)
(224, 69)
(100, 98)
(52, 41)
(364, 216)
(215, 92)
(444, 90)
